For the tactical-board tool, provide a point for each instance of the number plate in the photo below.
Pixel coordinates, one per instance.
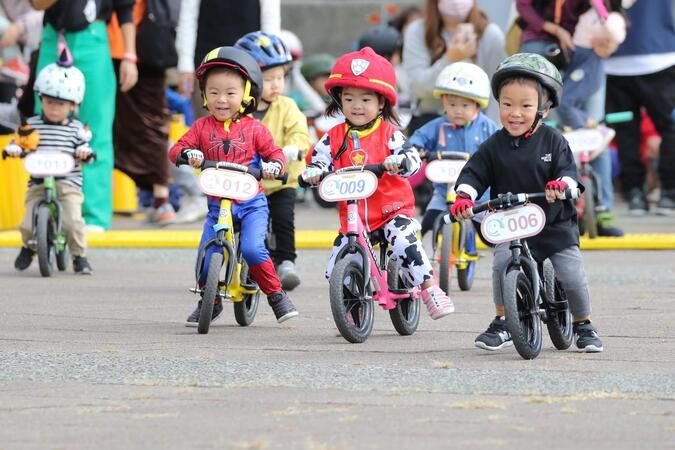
(444, 171)
(230, 184)
(585, 140)
(348, 186)
(516, 223)
(46, 163)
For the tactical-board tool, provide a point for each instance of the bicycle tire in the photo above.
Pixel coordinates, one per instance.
(62, 259)
(590, 224)
(44, 240)
(558, 320)
(209, 293)
(352, 313)
(522, 314)
(406, 316)
(245, 310)
(465, 276)
(445, 258)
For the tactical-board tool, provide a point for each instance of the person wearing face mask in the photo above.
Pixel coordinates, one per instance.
(451, 31)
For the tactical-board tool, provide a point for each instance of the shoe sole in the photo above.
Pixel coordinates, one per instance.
(663, 211)
(443, 314)
(590, 349)
(287, 316)
(484, 346)
(290, 282)
(213, 319)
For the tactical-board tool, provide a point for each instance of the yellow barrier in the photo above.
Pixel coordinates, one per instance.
(125, 200)
(13, 185)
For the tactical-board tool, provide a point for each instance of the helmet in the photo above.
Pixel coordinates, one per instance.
(316, 65)
(384, 39)
(241, 61)
(364, 69)
(61, 80)
(267, 49)
(292, 42)
(465, 80)
(530, 65)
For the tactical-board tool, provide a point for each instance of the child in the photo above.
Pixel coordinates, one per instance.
(464, 89)
(60, 87)
(526, 157)
(231, 81)
(362, 86)
(288, 126)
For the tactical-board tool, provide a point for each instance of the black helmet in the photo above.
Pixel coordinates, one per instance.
(242, 62)
(384, 39)
(530, 65)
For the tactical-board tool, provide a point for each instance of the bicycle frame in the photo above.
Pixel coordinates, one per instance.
(51, 200)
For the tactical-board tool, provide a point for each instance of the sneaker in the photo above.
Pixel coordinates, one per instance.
(17, 69)
(81, 266)
(438, 304)
(666, 204)
(496, 336)
(586, 337)
(606, 225)
(164, 215)
(91, 228)
(24, 259)
(192, 209)
(282, 306)
(193, 319)
(288, 275)
(637, 202)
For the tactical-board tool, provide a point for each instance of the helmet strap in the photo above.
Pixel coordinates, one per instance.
(246, 99)
(541, 109)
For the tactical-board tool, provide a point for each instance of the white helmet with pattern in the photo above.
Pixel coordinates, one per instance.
(464, 80)
(62, 82)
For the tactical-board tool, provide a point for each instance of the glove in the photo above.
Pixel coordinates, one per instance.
(272, 168)
(556, 185)
(310, 173)
(291, 153)
(462, 203)
(83, 152)
(194, 157)
(13, 150)
(392, 163)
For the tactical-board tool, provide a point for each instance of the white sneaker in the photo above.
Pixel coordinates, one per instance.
(438, 304)
(91, 228)
(192, 209)
(288, 275)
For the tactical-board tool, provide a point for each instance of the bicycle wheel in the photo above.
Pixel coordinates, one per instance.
(245, 310)
(522, 314)
(209, 292)
(62, 258)
(445, 258)
(45, 244)
(558, 316)
(589, 223)
(406, 315)
(465, 276)
(352, 311)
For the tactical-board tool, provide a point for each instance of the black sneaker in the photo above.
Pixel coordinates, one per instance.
(637, 202)
(282, 306)
(666, 204)
(193, 319)
(24, 259)
(586, 337)
(81, 266)
(496, 337)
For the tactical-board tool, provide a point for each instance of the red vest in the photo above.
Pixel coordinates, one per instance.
(393, 195)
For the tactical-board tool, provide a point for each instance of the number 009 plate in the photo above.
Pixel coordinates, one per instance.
(517, 223)
(230, 184)
(348, 186)
(47, 163)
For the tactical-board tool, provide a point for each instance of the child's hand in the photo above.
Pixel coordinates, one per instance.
(311, 175)
(555, 190)
(392, 163)
(461, 209)
(291, 153)
(195, 157)
(13, 150)
(83, 152)
(270, 170)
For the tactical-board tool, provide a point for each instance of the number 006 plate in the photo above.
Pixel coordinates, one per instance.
(47, 163)
(517, 223)
(348, 186)
(230, 184)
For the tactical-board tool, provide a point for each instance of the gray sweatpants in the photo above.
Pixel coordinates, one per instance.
(569, 270)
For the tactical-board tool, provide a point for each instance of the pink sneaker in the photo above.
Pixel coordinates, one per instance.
(438, 304)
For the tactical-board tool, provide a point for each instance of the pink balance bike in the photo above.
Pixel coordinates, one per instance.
(359, 279)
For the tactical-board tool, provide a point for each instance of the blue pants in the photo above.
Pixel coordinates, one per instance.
(252, 215)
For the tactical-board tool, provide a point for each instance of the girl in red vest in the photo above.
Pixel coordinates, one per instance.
(362, 86)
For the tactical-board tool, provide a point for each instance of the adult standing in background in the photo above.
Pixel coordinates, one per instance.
(441, 38)
(82, 23)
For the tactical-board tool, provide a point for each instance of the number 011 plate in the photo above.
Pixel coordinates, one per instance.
(48, 163)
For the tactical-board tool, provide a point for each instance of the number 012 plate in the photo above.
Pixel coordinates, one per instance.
(230, 184)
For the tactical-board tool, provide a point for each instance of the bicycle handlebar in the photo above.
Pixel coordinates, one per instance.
(439, 155)
(91, 157)
(377, 169)
(210, 164)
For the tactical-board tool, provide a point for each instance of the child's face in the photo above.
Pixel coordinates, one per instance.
(459, 110)
(518, 107)
(224, 92)
(273, 83)
(56, 110)
(360, 106)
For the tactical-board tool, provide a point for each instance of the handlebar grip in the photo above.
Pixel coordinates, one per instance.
(4, 154)
(617, 117)
(283, 178)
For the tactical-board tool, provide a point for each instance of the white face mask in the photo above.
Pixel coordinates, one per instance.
(456, 10)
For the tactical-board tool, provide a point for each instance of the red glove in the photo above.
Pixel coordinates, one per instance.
(462, 203)
(556, 185)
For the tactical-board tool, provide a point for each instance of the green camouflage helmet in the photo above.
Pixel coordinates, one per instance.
(529, 65)
(316, 65)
